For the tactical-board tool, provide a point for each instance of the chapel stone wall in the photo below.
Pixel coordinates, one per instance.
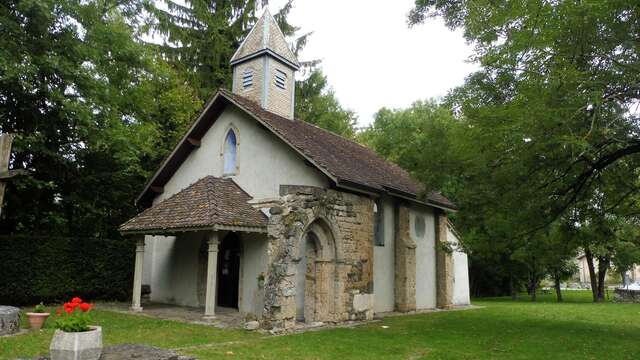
(344, 266)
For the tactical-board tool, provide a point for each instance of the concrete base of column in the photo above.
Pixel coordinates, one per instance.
(136, 308)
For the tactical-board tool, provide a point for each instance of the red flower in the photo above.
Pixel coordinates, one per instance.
(76, 300)
(85, 307)
(68, 307)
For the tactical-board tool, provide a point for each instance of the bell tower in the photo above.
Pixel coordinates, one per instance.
(264, 68)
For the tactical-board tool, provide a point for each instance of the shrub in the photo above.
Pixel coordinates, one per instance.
(51, 269)
(40, 309)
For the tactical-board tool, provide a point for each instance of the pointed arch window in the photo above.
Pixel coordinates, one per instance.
(230, 153)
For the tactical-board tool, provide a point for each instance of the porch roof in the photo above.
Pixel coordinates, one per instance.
(209, 203)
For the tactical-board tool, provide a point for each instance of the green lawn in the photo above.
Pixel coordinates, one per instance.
(501, 329)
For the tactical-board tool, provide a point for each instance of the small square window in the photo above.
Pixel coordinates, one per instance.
(281, 79)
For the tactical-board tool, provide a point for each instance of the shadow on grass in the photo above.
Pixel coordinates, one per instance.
(568, 296)
(501, 330)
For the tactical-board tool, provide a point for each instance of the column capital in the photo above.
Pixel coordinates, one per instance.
(139, 243)
(213, 240)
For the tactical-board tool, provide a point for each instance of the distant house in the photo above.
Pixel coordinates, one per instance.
(632, 275)
(261, 212)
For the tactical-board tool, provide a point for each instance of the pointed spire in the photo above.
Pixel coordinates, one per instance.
(265, 37)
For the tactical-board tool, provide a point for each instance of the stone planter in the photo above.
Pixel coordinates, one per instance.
(77, 345)
(36, 320)
(9, 320)
(626, 296)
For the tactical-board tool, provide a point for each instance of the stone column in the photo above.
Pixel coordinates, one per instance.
(212, 277)
(137, 275)
(405, 263)
(444, 264)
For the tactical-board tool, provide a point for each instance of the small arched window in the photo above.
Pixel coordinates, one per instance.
(230, 153)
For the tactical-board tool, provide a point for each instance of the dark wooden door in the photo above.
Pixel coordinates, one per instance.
(229, 271)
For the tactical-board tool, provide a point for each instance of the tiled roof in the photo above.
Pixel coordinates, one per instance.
(206, 203)
(347, 161)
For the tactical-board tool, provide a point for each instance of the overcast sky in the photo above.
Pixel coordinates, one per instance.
(373, 59)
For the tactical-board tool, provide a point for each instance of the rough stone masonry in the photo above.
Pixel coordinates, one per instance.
(341, 277)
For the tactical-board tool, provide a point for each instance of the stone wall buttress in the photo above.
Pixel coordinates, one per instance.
(405, 259)
(444, 264)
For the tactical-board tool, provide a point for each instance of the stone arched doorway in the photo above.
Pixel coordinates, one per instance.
(316, 274)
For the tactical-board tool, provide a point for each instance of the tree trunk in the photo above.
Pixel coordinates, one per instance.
(603, 265)
(512, 288)
(557, 286)
(592, 274)
(533, 285)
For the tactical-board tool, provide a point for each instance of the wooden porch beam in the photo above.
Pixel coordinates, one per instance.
(194, 142)
(8, 174)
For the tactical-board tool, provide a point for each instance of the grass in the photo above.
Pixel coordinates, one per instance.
(500, 329)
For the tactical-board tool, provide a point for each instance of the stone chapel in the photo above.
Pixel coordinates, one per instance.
(266, 214)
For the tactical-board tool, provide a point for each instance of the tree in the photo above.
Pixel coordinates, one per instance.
(627, 247)
(93, 111)
(200, 36)
(316, 103)
(405, 136)
(561, 78)
(550, 132)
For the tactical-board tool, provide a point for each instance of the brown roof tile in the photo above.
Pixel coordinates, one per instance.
(345, 160)
(208, 202)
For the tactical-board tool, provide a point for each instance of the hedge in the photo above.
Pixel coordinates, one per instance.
(51, 269)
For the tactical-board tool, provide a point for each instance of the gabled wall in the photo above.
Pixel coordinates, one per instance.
(264, 161)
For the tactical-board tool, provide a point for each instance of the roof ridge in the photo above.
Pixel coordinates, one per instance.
(332, 154)
(209, 190)
(306, 123)
(208, 202)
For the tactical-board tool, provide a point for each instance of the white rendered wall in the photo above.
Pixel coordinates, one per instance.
(384, 263)
(425, 258)
(175, 267)
(264, 161)
(460, 273)
(254, 262)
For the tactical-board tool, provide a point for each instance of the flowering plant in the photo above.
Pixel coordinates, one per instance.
(73, 316)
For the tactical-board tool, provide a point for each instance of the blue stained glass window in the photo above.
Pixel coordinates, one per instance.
(230, 153)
